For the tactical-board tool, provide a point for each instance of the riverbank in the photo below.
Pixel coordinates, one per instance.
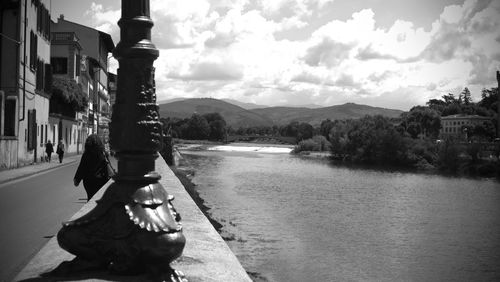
(460, 167)
(185, 175)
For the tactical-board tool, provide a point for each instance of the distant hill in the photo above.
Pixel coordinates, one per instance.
(285, 115)
(235, 116)
(246, 106)
(171, 100)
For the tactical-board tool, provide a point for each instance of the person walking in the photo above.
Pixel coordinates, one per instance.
(49, 148)
(93, 167)
(60, 150)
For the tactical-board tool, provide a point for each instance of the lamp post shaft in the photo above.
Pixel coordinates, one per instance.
(134, 226)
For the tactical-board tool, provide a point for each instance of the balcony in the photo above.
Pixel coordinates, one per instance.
(64, 38)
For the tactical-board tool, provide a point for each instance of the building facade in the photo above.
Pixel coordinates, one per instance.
(453, 126)
(96, 46)
(25, 81)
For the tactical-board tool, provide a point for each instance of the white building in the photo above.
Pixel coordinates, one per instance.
(25, 81)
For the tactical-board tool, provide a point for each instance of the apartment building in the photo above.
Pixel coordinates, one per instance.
(25, 81)
(92, 75)
(453, 125)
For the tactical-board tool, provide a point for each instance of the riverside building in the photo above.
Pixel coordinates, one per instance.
(25, 81)
(453, 126)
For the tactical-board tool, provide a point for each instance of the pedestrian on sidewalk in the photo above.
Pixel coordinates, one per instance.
(49, 149)
(60, 150)
(93, 167)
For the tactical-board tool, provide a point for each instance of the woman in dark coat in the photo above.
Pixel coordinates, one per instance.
(93, 166)
(49, 149)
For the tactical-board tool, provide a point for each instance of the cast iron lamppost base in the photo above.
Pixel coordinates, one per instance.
(134, 227)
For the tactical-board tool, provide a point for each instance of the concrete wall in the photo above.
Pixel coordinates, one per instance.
(8, 153)
(206, 256)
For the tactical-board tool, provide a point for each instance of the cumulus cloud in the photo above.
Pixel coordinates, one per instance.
(210, 71)
(223, 48)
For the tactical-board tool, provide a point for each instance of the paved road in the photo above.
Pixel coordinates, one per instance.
(31, 212)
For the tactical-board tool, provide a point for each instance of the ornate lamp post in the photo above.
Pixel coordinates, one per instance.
(134, 227)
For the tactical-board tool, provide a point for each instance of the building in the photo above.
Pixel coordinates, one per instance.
(25, 81)
(93, 56)
(69, 70)
(454, 126)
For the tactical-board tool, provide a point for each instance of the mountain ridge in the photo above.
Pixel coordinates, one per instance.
(237, 116)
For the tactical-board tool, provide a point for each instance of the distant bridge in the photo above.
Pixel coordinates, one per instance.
(261, 139)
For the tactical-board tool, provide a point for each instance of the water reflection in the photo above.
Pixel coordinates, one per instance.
(293, 219)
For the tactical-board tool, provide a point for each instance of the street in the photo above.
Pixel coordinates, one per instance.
(31, 212)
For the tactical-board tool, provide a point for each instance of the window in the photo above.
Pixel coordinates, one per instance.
(48, 78)
(43, 21)
(78, 64)
(43, 77)
(32, 128)
(33, 51)
(41, 135)
(45, 133)
(10, 116)
(39, 75)
(59, 65)
(54, 134)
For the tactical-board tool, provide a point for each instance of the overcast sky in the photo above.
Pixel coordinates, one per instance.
(386, 53)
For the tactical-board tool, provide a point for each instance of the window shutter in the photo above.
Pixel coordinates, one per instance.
(78, 64)
(48, 78)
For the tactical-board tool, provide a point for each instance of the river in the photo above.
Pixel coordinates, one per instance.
(289, 218)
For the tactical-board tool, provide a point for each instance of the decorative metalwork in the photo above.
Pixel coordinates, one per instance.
(134, 227)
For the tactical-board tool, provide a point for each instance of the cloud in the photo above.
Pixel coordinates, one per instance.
(307, 77)
(210, 71)
(346, 80)
(246, 49)
(328, 53)
(368, 53)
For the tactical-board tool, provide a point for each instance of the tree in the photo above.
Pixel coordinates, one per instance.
(217, 126)
(449, 99)
(290, 130)
(437, 105)
(325, 128)
(466, 96)
(422, 121)
(197, 128)
(305, 131)
(66, 92)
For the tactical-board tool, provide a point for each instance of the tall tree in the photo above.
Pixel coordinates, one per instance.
(466, 96)
(197, 128)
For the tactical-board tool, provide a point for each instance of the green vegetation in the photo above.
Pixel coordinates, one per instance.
(409, 141)
(412, 141)
(316, 144)
(211, 126)
(66, 92)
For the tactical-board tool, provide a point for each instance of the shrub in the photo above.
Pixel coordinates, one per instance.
(317, 144)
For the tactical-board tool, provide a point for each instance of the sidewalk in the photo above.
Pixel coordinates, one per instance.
(13, 174)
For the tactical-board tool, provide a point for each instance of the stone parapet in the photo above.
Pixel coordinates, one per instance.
(206, 256)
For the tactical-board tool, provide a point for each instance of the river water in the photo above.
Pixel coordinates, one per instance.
(289, 218)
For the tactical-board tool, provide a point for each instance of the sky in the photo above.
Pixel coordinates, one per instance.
(385, 53)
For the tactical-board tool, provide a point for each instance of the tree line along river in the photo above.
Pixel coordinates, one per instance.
(289, 218)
